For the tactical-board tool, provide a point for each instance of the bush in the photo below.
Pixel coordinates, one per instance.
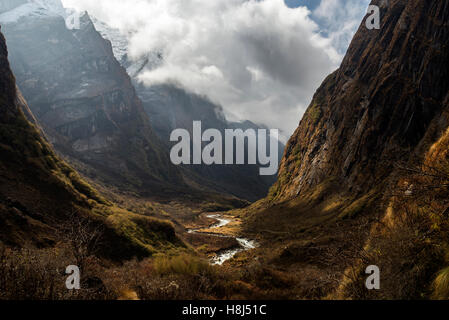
(32, 274)
(182, 265)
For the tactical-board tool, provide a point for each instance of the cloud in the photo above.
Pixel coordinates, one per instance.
(339, 20)
(260, 60)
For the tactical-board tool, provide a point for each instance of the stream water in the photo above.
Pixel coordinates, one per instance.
(225, 255)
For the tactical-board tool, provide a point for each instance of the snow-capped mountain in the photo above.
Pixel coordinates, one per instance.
(13, 10)
(170, 107)
(120, 45)
(118, 40)
(72, 70)
(83, 98)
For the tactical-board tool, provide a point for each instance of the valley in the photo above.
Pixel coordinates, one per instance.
(218, 230)
(87, 175)
(217, 236)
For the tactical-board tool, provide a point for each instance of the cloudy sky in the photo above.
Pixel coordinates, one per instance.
(261, 60)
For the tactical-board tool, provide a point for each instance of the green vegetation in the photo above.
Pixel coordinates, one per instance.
(59, 190)
(296, 153)
(314, 113)
(145, 232)
(22, 144)
(274, 191)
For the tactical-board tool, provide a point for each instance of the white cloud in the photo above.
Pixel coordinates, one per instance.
(339, 19)
(260, 60)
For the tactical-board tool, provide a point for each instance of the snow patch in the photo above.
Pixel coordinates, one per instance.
(118, 40)
(120, 45)
(34, 8)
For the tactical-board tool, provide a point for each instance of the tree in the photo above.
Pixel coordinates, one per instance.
(83, 235)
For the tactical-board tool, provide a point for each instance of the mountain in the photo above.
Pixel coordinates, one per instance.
(8, 5)
(364, 178)
(88, 108)
(13, 10)
(377, 108)
(84, 99)
(171, 107)
(40, 194)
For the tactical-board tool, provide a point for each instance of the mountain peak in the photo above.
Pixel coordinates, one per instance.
(13, 10)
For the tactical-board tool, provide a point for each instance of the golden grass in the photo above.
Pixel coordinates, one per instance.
(182, 265)
(441, 285)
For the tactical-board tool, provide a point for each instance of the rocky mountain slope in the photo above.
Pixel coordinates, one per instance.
(170, 107)
(85, 100)
(89, 110)
(364, 179)
(382, 105)
(40, 193)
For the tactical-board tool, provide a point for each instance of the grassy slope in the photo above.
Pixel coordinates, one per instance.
(39, 191)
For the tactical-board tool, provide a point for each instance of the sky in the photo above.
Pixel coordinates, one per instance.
(261, 60)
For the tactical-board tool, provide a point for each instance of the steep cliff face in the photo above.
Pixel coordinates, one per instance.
(86, 102)
(382, 105)
(364, 179)
(35, 186)
(7, 88)
(40, 193)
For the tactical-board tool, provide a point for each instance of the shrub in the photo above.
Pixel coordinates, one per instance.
(182, 265)
(33, 274)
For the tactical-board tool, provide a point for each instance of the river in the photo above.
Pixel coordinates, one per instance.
(225, 255)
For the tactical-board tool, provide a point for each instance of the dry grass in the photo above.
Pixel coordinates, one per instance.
(30, 274)
(441, 285)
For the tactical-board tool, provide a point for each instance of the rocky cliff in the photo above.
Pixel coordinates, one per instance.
(40, 194)
(383, 104)
(85, 101)
(364, 179)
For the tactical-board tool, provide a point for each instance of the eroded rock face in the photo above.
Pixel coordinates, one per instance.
(86, 102)
(7, 86)
(381, 106)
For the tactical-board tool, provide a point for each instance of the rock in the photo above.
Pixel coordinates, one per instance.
(354, 130)
(86, 103)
